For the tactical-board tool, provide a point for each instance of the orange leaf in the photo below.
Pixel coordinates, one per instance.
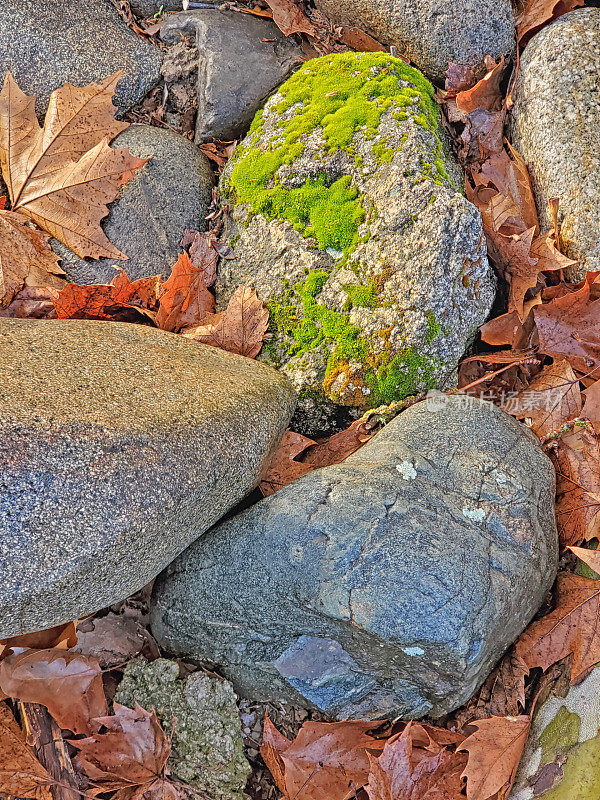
(552, 398)
(61, 637)
(21, 774)
(494, 750)
(573, 627)
(486, 92)
(185, 300)
(289, 18)
(273, 745)
(539, 13)
(68, 684)
(577, 461)
(283, 467)
(105, 301)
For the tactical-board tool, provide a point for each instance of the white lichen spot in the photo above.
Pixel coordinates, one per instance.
(337, 254)
(407, 470)
(413, 651)
(474, 514)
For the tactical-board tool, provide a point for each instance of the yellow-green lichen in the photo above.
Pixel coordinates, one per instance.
(341, 94)
(559, 735)
(581, 774)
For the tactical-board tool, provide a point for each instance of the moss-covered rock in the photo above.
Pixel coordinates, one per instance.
(207, 741)
(349, 221)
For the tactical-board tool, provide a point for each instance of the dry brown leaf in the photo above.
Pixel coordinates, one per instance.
(591, 406)
(589, 557)
(283, 467)
(360, 41)
(538, 13)
(494, 750)
(240, 329)
(569, 327)
(68, 684)
(32, 302)
(507, 689)
(204, 256)
(273, 745)
(576, 457)
(573, 627)
(406, 772)
(130, 755)
(61, 637)
(107, 301)
(336, 448)
(63, 176)
(290, 18)
(21, 774)
(552, 398)
(185, 300)
(26, 258)
(486, 92)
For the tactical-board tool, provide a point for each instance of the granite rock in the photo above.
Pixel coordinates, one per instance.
(120, 444)
(44, 45)
(170, 193)
(387, 585)
(148, 8)
(242, 59)
(349, 221)
(561, 759)
(208, 751)
(432, 32)
(556, 126)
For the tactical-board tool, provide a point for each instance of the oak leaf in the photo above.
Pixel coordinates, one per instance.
(26, 258)
(538, 13)
(552, 398)
(573, 627)
(21, 774)
(61, 637)
(240, 329)
(577, 461)
(494, 750)
(63, 176)
(283, 467)
(290, 18)
(129, 757)
(68, 684)
(486, 92)
(185, 301)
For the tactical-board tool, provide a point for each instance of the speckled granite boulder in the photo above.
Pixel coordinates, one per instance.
(349, 221)
(432, 32)
(562, 755)
(119, 445)
(46, 44)
(170, 193)
(208, 751)
(556, 127)
(390, 584)
(232, 47)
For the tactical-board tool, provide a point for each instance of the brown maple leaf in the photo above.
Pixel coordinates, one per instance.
(63, 176)
(185, 301)
(494, 750)
(68, 684)
(569, 326)
(204, 256)
(573, 627)
(26, 258)
(21, 774)
(240, 329)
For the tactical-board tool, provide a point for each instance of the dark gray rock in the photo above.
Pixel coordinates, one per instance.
(148, 8)
(46, 44)
(242, 60)
(389, 584)
(556, 127)
(170, 193)
(119, 444)
(432, 32)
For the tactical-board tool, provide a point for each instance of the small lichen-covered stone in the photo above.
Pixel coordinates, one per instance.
(348, 219)
(388, 585)
(208, 751)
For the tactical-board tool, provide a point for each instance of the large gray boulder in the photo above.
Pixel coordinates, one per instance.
(432, 32)
(119, 444)
(349, 220)
(241, 60)
(46, 44)
(556, 127)
(170, 193)
(390, 584)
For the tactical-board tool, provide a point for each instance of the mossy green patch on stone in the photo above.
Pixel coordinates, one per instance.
(581, 774)
(341, 95)
(559, 735)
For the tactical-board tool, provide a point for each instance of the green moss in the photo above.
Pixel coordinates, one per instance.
(341, 94)
(559, 735)
(363, 296)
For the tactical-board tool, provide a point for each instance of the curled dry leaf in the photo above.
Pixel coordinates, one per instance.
(185, 300)
(21, 774)
(569, 327)
(283, 467)
(589, 557)
(552, 398)
(61, 637)
(63, 176)
(26, 258)
(573, 627)
(538, 13)
(68, 684)
(105, 301)
(32, 302)
(486, 92)
(273, 745)
(494, 750)
(289, 17)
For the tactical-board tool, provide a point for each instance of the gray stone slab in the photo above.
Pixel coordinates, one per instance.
(555, 124)
(242, 60)
(387, 585)
(44, 44)
(119, 445)
(170, 193)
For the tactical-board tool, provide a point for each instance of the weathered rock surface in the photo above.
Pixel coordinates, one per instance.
(432, 32)
(389, 584)
(556, 127)
(46, 44)
(148, 8)
(170, 193)
(242, 59)
(561, 760)
(208, 751)
(119, 445)
(348, 219)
